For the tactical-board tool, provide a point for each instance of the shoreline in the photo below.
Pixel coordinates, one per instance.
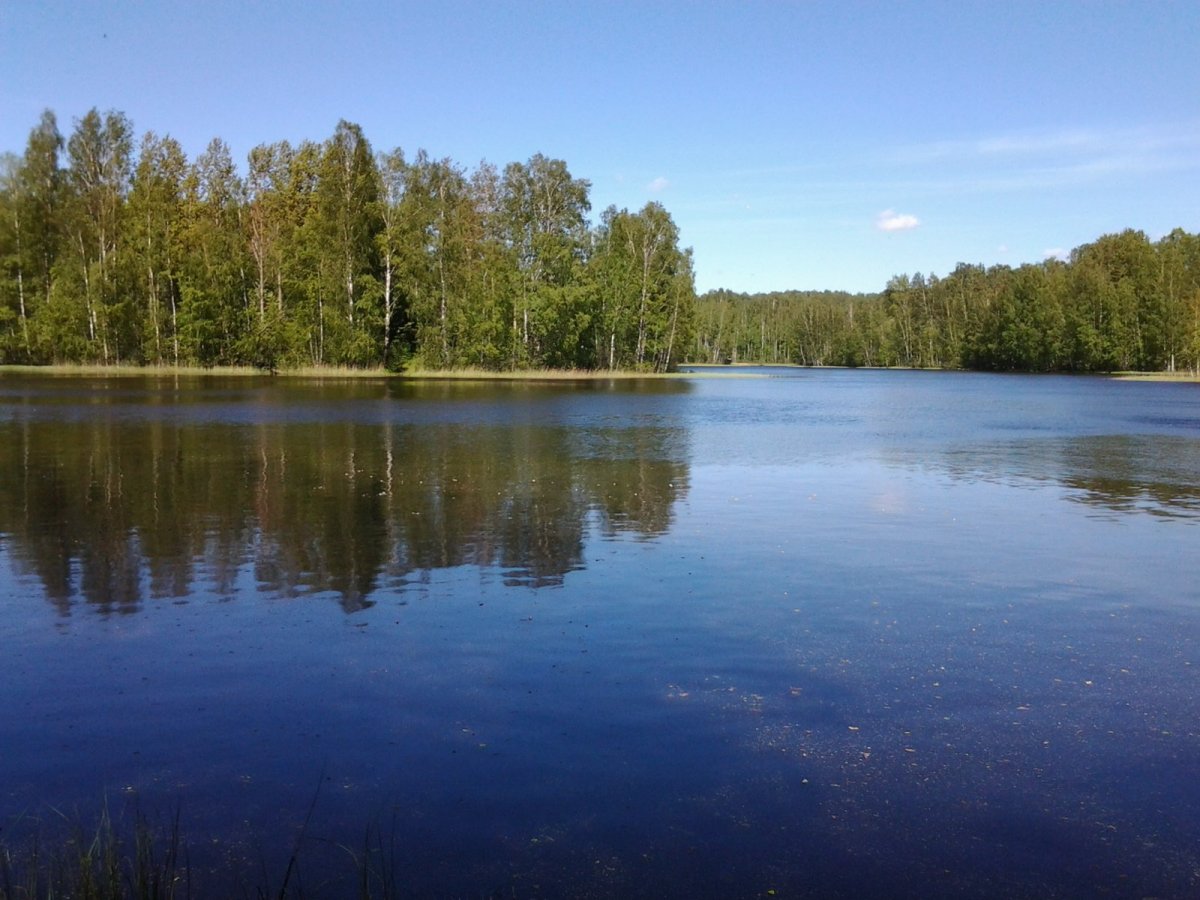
(1178, 377)
(329, 372)
(711, 370)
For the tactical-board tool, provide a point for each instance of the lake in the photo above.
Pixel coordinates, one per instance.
(815, 633)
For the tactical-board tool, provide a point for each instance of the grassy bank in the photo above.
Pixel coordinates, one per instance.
(469, 374)
(332, 372)
(133, 371)
(1185, 376)
(734, 370)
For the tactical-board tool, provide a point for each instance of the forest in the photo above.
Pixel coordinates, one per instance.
(331, 254)
(324, 254)
(1120, 303)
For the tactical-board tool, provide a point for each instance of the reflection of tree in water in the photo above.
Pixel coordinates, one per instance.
(1159, 475)
(1156, 474)
(116, 512)
(70, 501)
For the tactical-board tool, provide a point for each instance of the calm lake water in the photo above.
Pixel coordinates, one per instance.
(825, 633)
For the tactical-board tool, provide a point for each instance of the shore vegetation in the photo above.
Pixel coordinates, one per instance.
(116, 250)
(1120, 303)
(331, 256)
(131, 857)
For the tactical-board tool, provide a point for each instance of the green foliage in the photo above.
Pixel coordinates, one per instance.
(814, 328)
(646, 290)
(1120, 303)
(323, 254)
(330, 254)
(99, 154)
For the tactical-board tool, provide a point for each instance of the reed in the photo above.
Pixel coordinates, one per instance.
(133, 859)
(104, 862)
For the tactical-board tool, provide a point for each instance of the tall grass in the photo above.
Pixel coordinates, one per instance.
(104, 862)
(136, 860)
(376, 864)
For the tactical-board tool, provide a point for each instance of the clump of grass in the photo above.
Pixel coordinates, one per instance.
(133, 859)
(104, 862)
(376, 864)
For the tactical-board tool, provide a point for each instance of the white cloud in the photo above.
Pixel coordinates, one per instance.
(1003, 248)
(890, 220)
(658, 185)
(1056, 253)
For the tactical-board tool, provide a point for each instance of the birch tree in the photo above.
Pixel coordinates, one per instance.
(99, 153)
(646, 289)
(155, 224)
(214, 289)
(348, 206)
(544, 214)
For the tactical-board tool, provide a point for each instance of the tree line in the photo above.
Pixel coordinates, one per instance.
(332, 254)
(1119, 303)
(324, 254)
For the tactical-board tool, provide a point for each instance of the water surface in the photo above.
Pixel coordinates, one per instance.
(829, 633)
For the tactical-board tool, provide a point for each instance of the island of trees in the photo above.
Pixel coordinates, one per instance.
(330, 254)
(324, 254)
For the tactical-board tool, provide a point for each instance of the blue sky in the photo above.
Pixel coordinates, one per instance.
(797, 145)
